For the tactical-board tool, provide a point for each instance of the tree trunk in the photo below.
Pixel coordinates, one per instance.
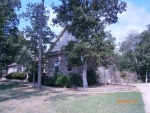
(136, 62)
(1, 72)
(40, 47)
(127, 81)
(84, 76)
(146, 77)
(33, 74)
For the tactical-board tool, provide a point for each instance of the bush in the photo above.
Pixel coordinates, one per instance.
(48, 80)
(30, 79)
(9, 76)
(76, 80)
(17, 75)
(20, 76)
(63, 81)
(92, 78)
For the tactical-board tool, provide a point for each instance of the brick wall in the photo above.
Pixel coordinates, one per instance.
(62, 66)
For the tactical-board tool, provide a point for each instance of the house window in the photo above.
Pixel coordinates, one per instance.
(69, 67)
(56, 64)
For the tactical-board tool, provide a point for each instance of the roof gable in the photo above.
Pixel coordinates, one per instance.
(61, 40)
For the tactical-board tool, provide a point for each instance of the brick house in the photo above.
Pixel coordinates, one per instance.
(57, 62)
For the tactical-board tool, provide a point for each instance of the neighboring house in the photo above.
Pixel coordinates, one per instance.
(57, 62)
(14, 67)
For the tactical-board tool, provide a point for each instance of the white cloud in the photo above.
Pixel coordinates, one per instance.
(135, 18)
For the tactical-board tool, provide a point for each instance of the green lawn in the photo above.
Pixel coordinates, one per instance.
(22, 99)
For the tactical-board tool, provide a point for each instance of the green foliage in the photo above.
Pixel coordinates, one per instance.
(9, 76)
(32, 70)
(76, 80)
(20, 76)
(48, 80)
(8, 31)
(63, 81)
(30, 79)
(125, 63)
(135, 53)
(32, 32)
(86, 21)
(92, 78)
(16, 75)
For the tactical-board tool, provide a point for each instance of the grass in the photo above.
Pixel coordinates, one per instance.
(22, 99)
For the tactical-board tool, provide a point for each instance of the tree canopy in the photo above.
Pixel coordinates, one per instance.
(135, 53)
(86, 20)
(9, 33)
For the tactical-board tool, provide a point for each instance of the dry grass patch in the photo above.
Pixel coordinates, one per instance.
(24, 99)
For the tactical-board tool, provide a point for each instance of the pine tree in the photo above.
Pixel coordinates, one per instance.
(38, 32)
(8, 31)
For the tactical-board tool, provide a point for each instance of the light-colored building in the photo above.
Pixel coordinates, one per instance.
(14, 67)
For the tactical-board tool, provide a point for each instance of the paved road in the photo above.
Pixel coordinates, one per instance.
(145, 90)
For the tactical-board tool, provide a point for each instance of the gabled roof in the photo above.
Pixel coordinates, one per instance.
(13, 64)
(58, 38)
(61, 40)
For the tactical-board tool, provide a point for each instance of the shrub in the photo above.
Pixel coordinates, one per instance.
(17, 75)
(30, 79)
(20, 76)
(48, 80)
(63, 81)
(76, 80)
(92, 78)
(9, 76)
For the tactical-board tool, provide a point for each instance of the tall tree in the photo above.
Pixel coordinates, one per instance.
(135, 53)
(86, 20)
(143, 51)
(25, 56)
(129, 53)
(8, 30)
(38, 32)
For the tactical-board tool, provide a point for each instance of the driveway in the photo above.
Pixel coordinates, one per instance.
(145, 90)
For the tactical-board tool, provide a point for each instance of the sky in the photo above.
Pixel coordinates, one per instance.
(135, 18)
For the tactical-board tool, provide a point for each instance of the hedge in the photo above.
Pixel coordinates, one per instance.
(16, 75)
(61, 80)
(70, 80)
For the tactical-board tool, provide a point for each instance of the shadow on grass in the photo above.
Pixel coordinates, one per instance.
(10, 91)
(20, 91)
(62, 96)
(7, 86)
